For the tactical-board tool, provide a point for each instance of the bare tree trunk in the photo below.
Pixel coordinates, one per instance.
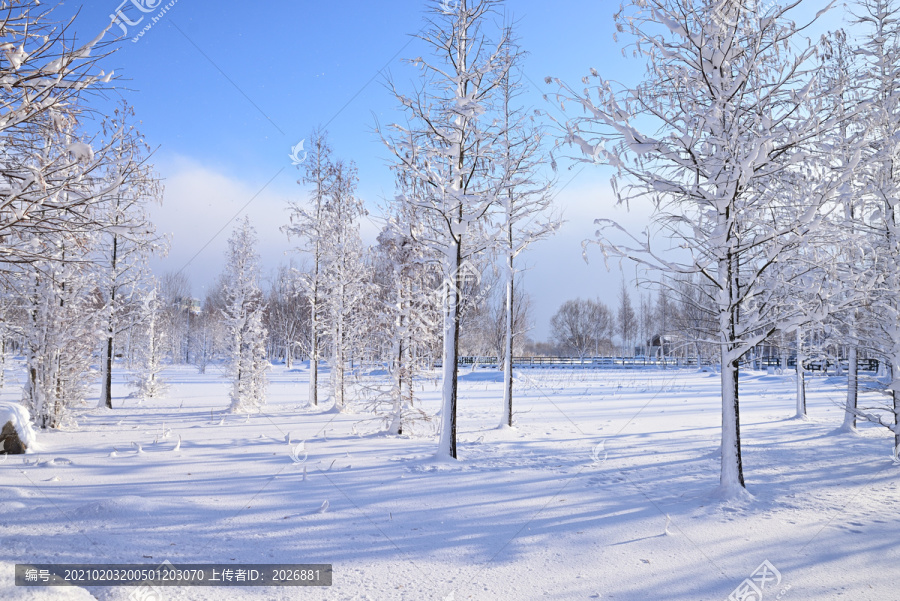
(396, 426)
(106, 372)
(896, 399)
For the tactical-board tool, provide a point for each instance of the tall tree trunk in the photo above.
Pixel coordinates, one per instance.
(849, 424)
(732, 475)
(407, 357)
(731, 479)
(508, 340)
(447, 442)
(338, 369)
(338, 354)
(34, 393)
(396, 425)
(108, 351)
(106, 372)
(314, 353)
(801, 376)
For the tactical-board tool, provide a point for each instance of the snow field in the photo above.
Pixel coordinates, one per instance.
(570, 504)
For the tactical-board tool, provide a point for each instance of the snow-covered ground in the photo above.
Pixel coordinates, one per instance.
(571, 504)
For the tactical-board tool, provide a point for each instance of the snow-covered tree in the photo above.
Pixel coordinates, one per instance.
(247, 363)
(309, 225)
(732, 166)
(840, 63)
(208, 341)
(175, 297)
(409, 322)
(58, 185)
(879, 81)
(150, 347)
(58, 296)
(128, 240)
(526, 200)
(287, 315)
(626, 320)
(694, 318)
(12, 317)
(583, 327)
(59, 337)
(522, 321)
(57, 280)
(343, 276)
(447, 145)
(801, 374)
(482, 283)
(48, 168)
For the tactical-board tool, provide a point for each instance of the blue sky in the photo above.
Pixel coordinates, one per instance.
(225, 89)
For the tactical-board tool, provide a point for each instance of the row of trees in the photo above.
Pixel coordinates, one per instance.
(76, 236)
(74, 192)
(470, 194)
(769, 161)
(346, 305)
(468, 163)
(589, 327)
(770, 170)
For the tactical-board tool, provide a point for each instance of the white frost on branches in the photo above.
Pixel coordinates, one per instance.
(243, 312)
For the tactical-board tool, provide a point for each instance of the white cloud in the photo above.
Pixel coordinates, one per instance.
(557, 269)
(198, 213)
(201, 202)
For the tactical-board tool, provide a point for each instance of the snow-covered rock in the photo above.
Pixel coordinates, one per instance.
(16, 435)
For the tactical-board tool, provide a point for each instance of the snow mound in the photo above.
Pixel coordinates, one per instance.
(732, 498)
(21, 421)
